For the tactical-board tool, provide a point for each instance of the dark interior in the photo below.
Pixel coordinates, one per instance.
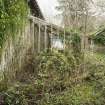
(35, 9)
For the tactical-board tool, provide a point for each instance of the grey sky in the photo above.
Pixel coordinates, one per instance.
(48, 9)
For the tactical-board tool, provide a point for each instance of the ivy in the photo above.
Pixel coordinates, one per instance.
(13, 14)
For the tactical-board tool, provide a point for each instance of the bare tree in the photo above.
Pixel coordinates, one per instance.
(75, 13)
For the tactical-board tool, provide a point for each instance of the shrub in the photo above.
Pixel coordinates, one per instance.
(73, 43)
(78, 95)
(12, 96)
(55, 69)
(99, 38)
(76, 41)
(52, 84)
(55, 62)
(22, 94)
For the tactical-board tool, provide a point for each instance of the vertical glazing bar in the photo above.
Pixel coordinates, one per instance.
(39, 36)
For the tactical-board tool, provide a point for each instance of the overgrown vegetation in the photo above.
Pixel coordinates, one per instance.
(56, 80)
(99, 38)
(13, 14)
(73, 43)
(53, 77)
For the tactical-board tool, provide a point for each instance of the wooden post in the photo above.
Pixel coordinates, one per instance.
(32, 35)
(51, 36)
(82, 43)
(45, 37)
(92, 47)
(64, 39)
(58, 32)
(39, 36)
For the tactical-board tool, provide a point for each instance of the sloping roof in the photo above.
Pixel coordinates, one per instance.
(35, 9)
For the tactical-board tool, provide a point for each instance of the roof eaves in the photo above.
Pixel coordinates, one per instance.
(39, 9)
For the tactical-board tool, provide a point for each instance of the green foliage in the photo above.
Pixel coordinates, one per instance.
(37, 94)
(54, 69)
(99, 38)
(73, 42)
(76, 43)
(15, 95)
(12, 17)
(84, 94)
(53, 84)
(78, 95)
(53, 61)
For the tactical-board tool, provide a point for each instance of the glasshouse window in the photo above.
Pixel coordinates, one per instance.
(57, 43)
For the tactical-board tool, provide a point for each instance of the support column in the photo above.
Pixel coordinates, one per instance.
(64, 39)
(58, 32)
(92, 47)
(32, 35)
(82, 43)
(45, 38)
(39, 38)
(51, 36)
